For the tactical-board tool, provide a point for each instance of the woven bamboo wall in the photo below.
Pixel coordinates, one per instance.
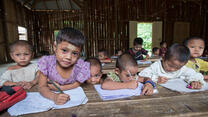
(105, 23)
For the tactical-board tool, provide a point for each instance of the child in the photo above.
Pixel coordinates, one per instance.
(196, 46)
(163, 48)
(137, 51)
(155, 52)
(64, 68)
(124, 76)
(95, 70)
(173, 66)
(23, 73)
(118, 52)
(103, 56)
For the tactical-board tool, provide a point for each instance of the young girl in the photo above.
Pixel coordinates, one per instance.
(95, 71)
(196, 46)
(64, 68)
(173, 66)
(125, 76)
(24, 72)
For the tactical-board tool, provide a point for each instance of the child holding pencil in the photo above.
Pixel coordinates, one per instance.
(64, 69)
(125, 76)
(173, 66)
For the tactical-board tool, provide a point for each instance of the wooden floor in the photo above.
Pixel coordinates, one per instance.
(166, 103)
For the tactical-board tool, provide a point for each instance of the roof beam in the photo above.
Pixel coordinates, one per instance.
(57, 4)
(70, 3)
(78, 3)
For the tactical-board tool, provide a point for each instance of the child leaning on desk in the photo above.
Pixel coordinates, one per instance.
(95, 71)
(125, 76)
(24, 73)
(173, 66)
(64, 68)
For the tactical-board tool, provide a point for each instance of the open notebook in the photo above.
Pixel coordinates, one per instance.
(181, 86)
(35, 102)
(119, 94)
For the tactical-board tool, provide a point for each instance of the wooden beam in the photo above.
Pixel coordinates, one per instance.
(26, 2)
(44, 3)
(70, 3)
(57, 4)
(78, 3)
(34, 3)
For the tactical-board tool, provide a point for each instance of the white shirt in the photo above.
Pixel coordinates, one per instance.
(185, 73)
(27, 74)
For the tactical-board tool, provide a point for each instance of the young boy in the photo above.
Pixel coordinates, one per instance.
(163, 48)
(137, 51)
(95, 70)
(173, 66)
(24, 72)
(155, 52)
(103, 56)
(125, 76)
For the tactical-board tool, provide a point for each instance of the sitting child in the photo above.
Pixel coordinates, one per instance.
(64, 68)
(163, 48)
(103, 56)
(173, 66)
(95, 71)
(196, 46)
(125, 76)
(137, 51)
(23, 73)
(118, 52)
(155, 52)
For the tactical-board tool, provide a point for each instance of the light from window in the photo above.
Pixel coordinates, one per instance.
(22, 32)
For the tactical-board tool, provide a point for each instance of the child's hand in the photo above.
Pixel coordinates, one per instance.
(162, 79)
(61, 98)
(132, 84)
(21, 83)
(147, 89)
(196, 85)
(27, 85)
(52, 87)
(205, 77)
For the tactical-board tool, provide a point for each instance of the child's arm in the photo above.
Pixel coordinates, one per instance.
(6, 79)
(64, 87)
(58, 98)
(205, 77)
(106, 61)
(112, 85)
(148, 85)
(146, 57)
(28, 85)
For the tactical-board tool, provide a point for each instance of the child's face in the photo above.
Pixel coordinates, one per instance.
(164, 45)
(101, 55)
(172, 65)
(196, 47)
(128, 74)
(95, 75)
(137, 47)
(21, 55)
(157, 52)
(119, 53)
(66, 54)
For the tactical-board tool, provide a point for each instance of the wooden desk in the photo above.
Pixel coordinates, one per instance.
(165, 103)
(109, 67)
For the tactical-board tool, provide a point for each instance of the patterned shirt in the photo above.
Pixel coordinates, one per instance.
(200, 65)
(80, 71)
(139, 54)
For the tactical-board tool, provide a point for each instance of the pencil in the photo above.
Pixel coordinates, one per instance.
(56, 86)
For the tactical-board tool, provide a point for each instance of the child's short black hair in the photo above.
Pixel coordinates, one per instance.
(72, 36)
(154, 49)
(125, 60)
(94, 62)
(178, 51)
(104, 51)
(117, 50)
(185, 42)
(162, 42)
(21, 43)
(138, 41)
